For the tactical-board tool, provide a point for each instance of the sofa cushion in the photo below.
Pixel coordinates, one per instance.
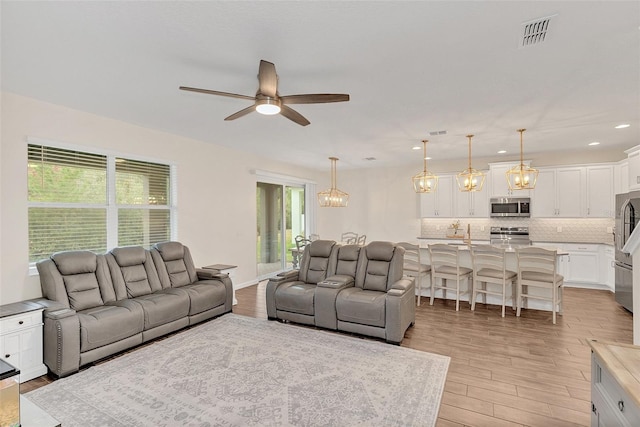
(376, 275)
(109, 323)
(355, 305)
(83, 291)
(136, 281)
(170, 251)
(348, 260)
(296, 297)
(178, 274)
(205, 295)
(163, 306)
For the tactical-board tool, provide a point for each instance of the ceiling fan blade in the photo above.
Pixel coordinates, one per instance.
(215, 92)
(241, 113)
(292, 114)
(314, 98)
(268, 79)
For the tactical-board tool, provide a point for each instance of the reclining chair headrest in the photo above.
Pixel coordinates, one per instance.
(380, 251)
(321, 248)
(129, 255)
(170, 251)
(75, 262)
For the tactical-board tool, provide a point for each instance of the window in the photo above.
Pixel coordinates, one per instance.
(88, 201)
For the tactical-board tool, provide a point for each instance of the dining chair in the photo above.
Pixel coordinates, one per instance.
(361, 240)
(412, 266)
(301, 242)
(349, 238)
(314, 237)
(445, 265)
(490, 268)
(538, 269)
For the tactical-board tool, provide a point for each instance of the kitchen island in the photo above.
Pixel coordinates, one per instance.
(465, 261)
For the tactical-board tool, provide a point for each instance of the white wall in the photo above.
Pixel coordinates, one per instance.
(216, 189)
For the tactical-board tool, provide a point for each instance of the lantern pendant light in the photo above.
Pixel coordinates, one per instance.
(522, 177)
(425, 181)
(470, 179)
(333, 198)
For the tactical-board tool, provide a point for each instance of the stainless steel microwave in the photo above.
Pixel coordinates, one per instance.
(510, 206)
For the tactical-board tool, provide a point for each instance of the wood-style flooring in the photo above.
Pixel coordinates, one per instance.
(504, 371)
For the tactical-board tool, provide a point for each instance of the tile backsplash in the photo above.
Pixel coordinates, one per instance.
(565, 230)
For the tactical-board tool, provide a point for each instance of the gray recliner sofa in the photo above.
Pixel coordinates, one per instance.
(100, 304)
(362, 290)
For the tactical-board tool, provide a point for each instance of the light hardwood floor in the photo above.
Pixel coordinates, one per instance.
(504, 371)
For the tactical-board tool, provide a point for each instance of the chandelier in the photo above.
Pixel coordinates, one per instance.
(425, 181)
(470, 179)
(333, 198)
(522, 177)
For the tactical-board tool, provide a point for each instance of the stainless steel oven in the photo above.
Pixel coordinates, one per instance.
(510, 206)
(509, 236)
(627, 218)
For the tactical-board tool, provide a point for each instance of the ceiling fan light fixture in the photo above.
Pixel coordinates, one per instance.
(268, 106)
(333, 198)
(522, 177)
(425, 181)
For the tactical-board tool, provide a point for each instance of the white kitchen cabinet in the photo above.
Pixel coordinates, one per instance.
(600, 193)
(621, 177)
(607, 266)
(633, 158)
(474, 204)
(439, 204)
(21, 343)
(559, 193)
(499, 186)
(582, 264)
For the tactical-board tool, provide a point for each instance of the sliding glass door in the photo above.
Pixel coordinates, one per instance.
(280, 218)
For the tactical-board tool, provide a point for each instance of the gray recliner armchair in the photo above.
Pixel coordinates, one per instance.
(291, 295)
(381, 303)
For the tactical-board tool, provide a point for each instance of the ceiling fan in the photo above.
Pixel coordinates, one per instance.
(268, 101)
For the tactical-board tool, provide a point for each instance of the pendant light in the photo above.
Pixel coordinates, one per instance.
(425, 181)
(470, 179)
(333, 198)
(522, 177)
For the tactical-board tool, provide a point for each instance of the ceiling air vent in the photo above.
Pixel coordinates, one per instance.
(536, 31)
(438, 132)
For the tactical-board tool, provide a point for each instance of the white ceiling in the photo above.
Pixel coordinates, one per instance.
(410, 68)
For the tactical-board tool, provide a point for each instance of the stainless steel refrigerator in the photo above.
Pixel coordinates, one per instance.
(627, 218)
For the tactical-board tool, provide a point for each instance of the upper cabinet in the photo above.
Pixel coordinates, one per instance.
(499, 186)
(474, 204)
(439, 204)
(559, 193)
(621, 177)
(634, 167)
(600, 197)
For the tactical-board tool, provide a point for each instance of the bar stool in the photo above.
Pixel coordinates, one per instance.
(490, 267)
(538, 268)
(413, 267)
(445, 265)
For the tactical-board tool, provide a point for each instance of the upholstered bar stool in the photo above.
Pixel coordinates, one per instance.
(445, 265)
(538, 269)
(490, 267)
(413, 267)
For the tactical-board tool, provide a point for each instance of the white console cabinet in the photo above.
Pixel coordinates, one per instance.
(21, 339)
(615, 388)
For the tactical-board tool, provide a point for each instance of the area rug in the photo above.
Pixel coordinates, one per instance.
(241, 371)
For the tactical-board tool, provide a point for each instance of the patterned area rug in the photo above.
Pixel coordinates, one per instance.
(241, 371)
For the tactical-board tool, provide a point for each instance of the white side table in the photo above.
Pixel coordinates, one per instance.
(21, 338)
(230, 270)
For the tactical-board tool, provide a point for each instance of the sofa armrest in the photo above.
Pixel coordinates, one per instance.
(402, 286)
(61, 343)
(59, 314)
(286, 276)
(337, 282)
(208, 274)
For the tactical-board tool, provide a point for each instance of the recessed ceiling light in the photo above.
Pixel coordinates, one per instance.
(623, 125)
(427, 158)
(594, 143)
(417, 147)
(502, 151)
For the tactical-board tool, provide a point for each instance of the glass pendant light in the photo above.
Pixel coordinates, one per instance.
(470, 179)
(333, 198)
(425, 181)
(522, 177)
